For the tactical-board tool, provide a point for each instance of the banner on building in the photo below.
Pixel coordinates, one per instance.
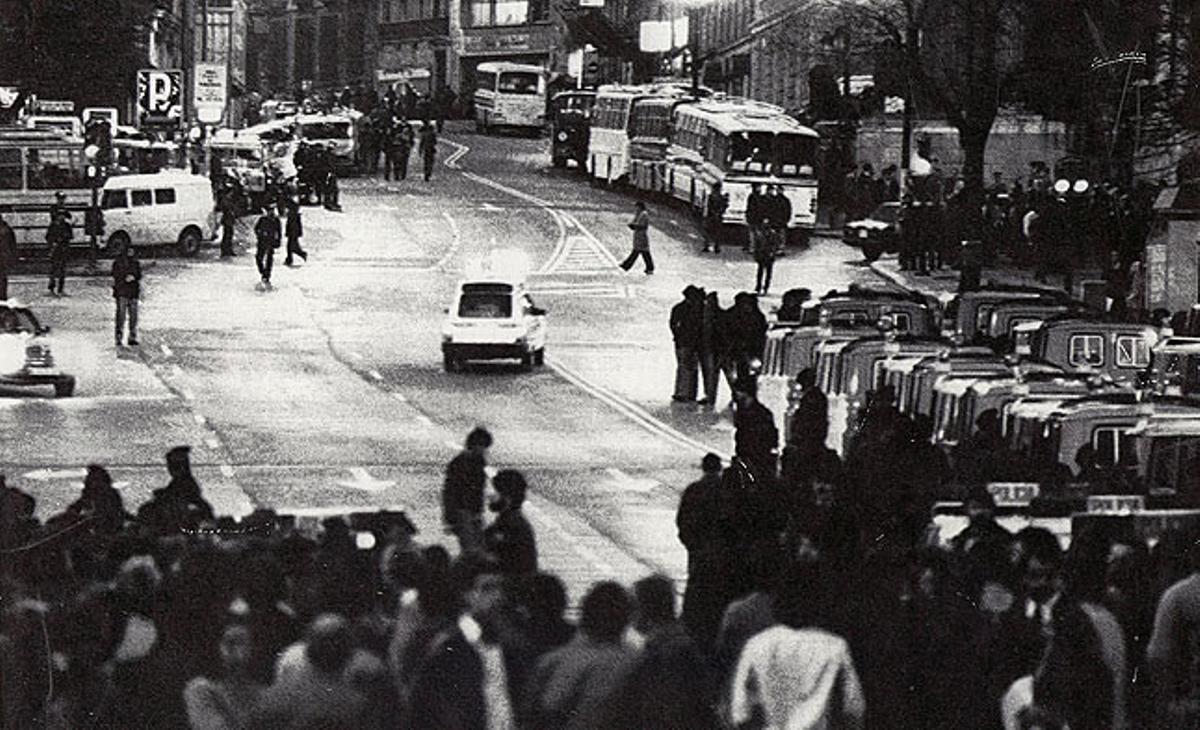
(159, 97)
(211, 91)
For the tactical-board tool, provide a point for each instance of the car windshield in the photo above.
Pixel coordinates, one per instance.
(16, 321)
(485, 305)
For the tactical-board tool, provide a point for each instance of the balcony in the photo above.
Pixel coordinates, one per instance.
(421, 28)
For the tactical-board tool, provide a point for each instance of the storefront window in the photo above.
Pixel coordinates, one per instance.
(481, 13)
(499, 12)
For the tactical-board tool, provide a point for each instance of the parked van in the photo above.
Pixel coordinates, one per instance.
(167, 208)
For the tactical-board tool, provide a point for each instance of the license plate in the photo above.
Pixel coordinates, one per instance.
(862, 234)
(1013, 494)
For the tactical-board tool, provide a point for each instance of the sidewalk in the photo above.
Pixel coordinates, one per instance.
(943, 284)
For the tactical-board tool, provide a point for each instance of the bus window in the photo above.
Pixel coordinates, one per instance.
(1114, 446)
(10, 169)
(140, 198)
(1132, 352)
(797, 155)
(519, 82)
(750, 151)
(114, 199)
(52, 169)
(1086, 350)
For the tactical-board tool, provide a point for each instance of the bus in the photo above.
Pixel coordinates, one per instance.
(509, 95)
(738, 143)
(570, 121)
(608, 144)
(650, 127)
(34, 165)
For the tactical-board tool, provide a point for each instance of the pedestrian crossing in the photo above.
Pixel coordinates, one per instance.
(541, 287)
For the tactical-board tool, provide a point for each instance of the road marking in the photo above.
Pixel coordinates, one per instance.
(400, 397)
(212, 443)
(630, 483)
(227, 471)
(452, 159)
(360, 478)
(42, 475)
(424, 419)
(198, 418)
(632, 411)
(375, 374)
(356, 356)
(166, 351)
(451, 444)
(455, 243)
(488, 207)
(187, 394)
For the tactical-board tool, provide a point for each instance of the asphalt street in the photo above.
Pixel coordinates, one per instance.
(328, 392)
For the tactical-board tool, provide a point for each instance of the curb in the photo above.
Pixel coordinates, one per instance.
(896, 279)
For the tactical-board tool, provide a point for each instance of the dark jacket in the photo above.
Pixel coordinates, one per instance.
(177, 505)
(511, 541)
(687, 320)
(268, 231)
(58, 233)
(464, 485)
(124, 267)
(8, 247)
(781, 211)
(755, 435)
(755, 209)
(671, 686)
(428, 143)
(746, 327)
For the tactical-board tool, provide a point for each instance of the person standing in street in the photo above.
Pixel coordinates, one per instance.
(58, 235)
(640, 225)
(510, 539)
(428, 148)
(764, 256)
(8, 255)
(755, 215)
(267, 234)
(228, 206)
(781, 215)
(710, 347)
(294, 230)
(687, 322)
(714, 214)
(127, 288)
(700, 521)
(462, 492)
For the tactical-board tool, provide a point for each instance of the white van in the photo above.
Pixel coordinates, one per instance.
(493, 317)
(172, 207)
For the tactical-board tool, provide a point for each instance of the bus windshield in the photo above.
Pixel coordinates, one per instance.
(750, 151)
(573, 104)
(518, 82)
(796, 155)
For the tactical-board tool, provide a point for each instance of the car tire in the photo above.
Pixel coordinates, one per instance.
(449, 363)
(116, 242)
(527, 362)
(872, 252)
(539, 356)
(189, 242)
(64, 388)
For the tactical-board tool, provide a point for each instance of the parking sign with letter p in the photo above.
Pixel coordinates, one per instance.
(159, 97)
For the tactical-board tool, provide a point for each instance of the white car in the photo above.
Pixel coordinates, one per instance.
(493, 318)
(25, 356)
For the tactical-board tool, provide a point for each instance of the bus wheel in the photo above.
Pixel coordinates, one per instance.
(116, 242)
(189, 242)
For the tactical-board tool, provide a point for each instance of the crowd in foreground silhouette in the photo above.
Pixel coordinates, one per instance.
(802, 610)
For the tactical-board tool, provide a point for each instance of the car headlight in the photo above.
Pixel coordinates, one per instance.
(562, 136)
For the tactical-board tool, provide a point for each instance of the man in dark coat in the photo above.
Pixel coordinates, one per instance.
(747, 328)
(701, 525)
(755, 215)
(267, 231)
(58, 235)
(227, 204)
(462, 492)
(755, 436)
(780, 211)
(510, 539)
(127, 287)
(687, 322)
(180, 504)
(294, 229)
(99, 501)
(8, 256)
(714, 218)
(428, 148)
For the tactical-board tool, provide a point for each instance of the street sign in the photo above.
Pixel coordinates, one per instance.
(211, 91)
(53, 106)
(1013, 494)
(159, 97)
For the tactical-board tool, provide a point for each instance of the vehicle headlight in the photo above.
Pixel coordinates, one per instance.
(562, 136)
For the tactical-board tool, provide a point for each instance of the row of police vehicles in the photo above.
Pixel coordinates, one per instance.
(683, 143)
(1096, 417)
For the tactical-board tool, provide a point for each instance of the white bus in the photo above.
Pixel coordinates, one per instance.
(608, 145)
(34, 165)
(509, 95)
(650, 125)
(738, 143)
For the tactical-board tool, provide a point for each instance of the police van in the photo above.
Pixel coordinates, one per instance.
(493, 317)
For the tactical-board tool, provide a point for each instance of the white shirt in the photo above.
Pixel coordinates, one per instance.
(495, 678)
(798, 677)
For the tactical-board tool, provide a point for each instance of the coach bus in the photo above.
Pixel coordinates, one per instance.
(511, 95)
(608, 144)
(650, 127)
(34, 165)
(738, 143)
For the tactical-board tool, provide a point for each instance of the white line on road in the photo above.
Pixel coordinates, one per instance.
(166, 351)
(400, 397)
(455, 243)
(199, 418)
(356, 356)
(212, 443)
(634, 412)
(424, 419)
(187, 394)
(583, 551)
(227, 471)
(375, 374)
(452, 445)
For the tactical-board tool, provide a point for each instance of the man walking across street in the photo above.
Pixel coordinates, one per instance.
(462, 492)
(127, 287)
(428, 148)
(294, 231)
(687, 322)
(640, 225)
(8, 255)
(267, 232)
(58, 235)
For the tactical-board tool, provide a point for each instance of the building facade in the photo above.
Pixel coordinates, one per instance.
(302, 46)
